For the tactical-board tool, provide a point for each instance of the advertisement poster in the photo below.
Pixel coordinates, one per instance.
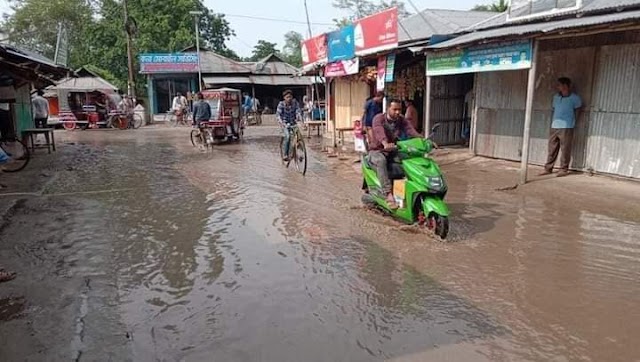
(342, 68)
(382, 68)
(484, 58)
(391, 67)
(377, 32)
(341, 45)
(314, 50)
(169, 63)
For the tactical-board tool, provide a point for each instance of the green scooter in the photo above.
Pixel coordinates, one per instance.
(419, 187)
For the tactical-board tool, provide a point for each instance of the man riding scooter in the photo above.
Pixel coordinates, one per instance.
(387, 129)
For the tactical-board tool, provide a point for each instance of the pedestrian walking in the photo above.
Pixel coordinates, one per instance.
(566, 107)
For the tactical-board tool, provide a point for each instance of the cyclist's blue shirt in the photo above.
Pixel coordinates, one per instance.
(289, 113)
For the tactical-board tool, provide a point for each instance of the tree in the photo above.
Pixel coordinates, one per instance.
(34, 23)
(358, 9)
(98, 34)
(499, 6)
(262, 50)
(292, 49)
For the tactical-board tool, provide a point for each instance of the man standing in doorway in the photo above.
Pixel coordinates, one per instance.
(566, 106)
(372, 108)
(40, 109)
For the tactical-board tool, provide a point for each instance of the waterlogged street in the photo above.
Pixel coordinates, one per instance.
(135, 246)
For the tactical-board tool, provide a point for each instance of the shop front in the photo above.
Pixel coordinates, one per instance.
(512, 111)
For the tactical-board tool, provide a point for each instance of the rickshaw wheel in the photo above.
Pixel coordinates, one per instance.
(69, 125)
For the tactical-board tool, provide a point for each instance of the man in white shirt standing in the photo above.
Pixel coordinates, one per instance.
(40, 109)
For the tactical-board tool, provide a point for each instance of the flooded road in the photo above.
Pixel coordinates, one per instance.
(141, 248)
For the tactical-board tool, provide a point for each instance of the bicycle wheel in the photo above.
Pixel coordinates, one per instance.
(196, 138)
(69, 125)
(137, 121)
(123, 122)
(300, 154)
(173, 120)
(19, 155)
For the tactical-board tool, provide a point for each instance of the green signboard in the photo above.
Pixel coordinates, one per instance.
(483, 58)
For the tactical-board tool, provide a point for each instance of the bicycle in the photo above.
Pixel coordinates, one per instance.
(253, 118)
(202, 137)
(297, 149)
(183, 119)
(121, 121)
(18, 153)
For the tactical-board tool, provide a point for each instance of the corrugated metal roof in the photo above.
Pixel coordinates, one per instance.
(272, 64)
(588, 7)
(211, 62)
(281, 80)
(85, 84)
(436, 21)
(536, 28)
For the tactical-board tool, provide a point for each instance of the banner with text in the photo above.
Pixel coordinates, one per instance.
(314, 50)
(377, 32)
(340, 44)
(168, 63)
(483, 58)
(342, 68)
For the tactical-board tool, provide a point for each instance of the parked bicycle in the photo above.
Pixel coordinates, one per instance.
(18, 152)
(297, 149)
(121, 121)
(253, 118)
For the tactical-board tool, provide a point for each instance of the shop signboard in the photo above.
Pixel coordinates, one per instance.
(391, 68)
(381, 76)
(342, 68)
(314, 50)
(483, 58)
(377, 32)
(168, 63)
(340, 44)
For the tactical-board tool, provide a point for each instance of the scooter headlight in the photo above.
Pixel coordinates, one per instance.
(436, 183)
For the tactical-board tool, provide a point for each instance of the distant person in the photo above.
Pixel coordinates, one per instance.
(201, 111)
(411, 114)
(566, 106)
(40, 109)
(372, 107)
(288, 113)
(246, 102)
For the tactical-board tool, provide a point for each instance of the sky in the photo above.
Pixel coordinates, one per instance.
(241, 15)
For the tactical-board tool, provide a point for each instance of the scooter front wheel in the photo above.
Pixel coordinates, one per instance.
(437, 224)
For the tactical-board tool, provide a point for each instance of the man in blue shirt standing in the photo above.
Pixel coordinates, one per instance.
(566, 106)
(372, 108)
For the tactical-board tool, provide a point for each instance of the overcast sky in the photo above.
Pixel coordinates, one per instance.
(249, 31)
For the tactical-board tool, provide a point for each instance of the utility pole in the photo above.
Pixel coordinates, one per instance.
(131, 90)
(196, 17)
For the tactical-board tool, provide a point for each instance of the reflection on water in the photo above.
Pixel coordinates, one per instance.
(230, 256)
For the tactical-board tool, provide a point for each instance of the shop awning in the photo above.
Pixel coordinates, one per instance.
(226, 80)
(281, 80)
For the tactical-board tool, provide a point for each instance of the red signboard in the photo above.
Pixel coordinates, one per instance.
(314, 50)
(377, 32)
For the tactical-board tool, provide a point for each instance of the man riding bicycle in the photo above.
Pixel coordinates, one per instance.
(287, 114)
(179, 106)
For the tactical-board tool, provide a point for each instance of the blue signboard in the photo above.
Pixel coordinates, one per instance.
(341, 45)
(482, 58)
(169, 63)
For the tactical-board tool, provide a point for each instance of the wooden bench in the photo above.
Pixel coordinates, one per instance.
(341, 131)
(316, 124)
(48, 135)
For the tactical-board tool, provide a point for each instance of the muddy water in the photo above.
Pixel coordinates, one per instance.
(230, 256)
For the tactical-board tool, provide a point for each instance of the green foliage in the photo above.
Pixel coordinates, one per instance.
(97, 33)
(262, 50)
(499, 6)
(292, 49)
(361, 8)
